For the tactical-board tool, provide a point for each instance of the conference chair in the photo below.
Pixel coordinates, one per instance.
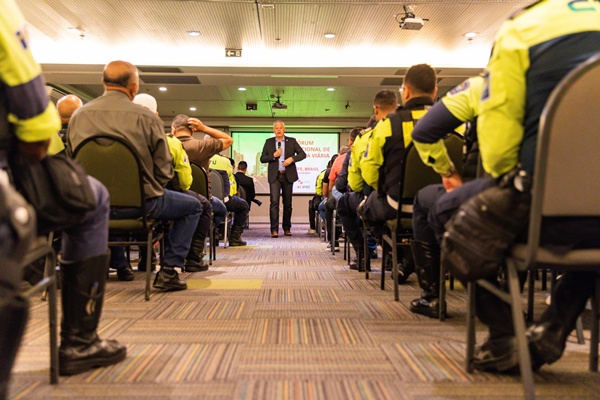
(116, 164)
(415, 176)
(218, 190)
(42, 248)
(200, 186)
(566, 165)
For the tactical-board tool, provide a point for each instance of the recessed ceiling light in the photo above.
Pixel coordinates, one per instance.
(470, 35)
(162, 89)
(193, 33)
(242, 89)
(330, 89)
(192, 108)
(330, 35)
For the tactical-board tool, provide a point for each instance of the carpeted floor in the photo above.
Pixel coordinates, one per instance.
(284, 319)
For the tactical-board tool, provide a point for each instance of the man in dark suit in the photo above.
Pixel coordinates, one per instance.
(282, 153)
(247, 183)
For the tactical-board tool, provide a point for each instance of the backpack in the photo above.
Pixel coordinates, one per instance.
(482, 231)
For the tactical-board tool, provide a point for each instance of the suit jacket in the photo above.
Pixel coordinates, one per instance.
(248, 184)
(292, 149)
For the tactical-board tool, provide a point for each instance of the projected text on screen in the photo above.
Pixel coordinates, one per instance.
(319, 148)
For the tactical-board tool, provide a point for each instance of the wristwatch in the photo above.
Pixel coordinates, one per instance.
(450, 172)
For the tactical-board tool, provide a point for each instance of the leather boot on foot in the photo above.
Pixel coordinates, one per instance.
(546, 343)
(497, 355)
(168, 279)
(427, 305)
(427, 265)
(235, 238)
(82, 294)
(194, 261)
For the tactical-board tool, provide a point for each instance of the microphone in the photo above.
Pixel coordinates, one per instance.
(278, 145)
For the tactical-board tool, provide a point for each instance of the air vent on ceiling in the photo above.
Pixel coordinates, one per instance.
(172, 80)
(401, 71)
(158, 70)
(391, 82)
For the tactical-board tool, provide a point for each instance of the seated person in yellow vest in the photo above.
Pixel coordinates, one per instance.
(182, 182)
(349, 200)
(460, 105)
(233, 203)
(321, 191)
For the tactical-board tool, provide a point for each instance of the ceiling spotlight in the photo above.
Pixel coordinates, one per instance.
(330, 89)
(267, 6)
(162, 89)
(192, 108)
(329, 35)
(470, 35)
(77, 30)
(242, 89)
(193, 33)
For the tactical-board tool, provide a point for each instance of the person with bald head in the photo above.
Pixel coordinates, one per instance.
(114, 113)
(66, 106)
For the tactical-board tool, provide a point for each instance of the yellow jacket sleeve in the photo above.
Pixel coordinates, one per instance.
(181, 163)
(29, 108)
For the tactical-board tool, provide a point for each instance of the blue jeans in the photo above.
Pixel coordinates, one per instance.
(321, 208)
(184, 211)
(219, 211)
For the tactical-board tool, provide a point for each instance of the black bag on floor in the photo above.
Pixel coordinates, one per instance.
(484, 228)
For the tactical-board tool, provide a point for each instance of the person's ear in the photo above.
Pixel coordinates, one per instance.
(134, 87)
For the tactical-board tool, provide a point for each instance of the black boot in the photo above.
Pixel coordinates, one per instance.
(357, 262)
(235, 239)
(168, 279)
(14, 310)
(82, 291)
(194, 261)
(547, 339)
(427, 265)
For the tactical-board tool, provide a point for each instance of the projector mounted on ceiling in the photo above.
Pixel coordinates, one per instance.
(278, 104)
(408, 20)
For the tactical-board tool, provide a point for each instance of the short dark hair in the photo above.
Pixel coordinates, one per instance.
(386, 99)
(354, 133)
(330, 163)
(243, 165)
(421, 78)
(180, 121)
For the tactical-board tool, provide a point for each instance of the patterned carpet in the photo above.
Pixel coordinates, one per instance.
(284, 319)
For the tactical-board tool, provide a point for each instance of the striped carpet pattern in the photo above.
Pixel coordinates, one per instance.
(284, 319)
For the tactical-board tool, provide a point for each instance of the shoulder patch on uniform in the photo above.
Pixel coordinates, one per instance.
(22, 37)
(485, 91)
(460, 88)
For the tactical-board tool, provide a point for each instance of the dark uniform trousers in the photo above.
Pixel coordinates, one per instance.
(433, 207)
(284, 187)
